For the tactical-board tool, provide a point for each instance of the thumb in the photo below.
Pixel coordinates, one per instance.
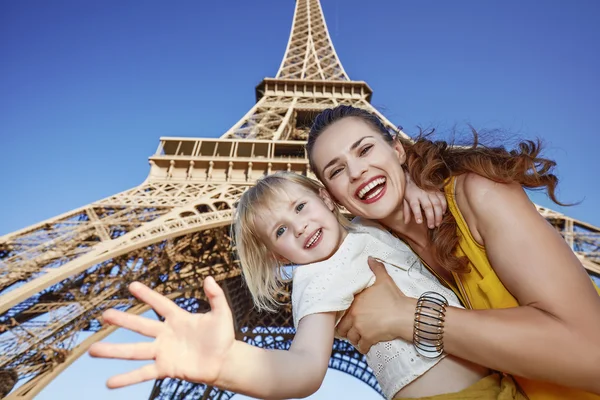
(377, 267)
(215, 295)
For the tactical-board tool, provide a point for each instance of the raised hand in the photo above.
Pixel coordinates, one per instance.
(187, 346)
(432, 203)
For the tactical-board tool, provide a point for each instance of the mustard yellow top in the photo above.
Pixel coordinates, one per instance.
(482, 289)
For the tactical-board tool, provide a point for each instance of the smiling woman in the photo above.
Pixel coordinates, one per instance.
(359, 138)
(494, 250)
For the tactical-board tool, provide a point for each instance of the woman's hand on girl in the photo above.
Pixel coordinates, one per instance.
(366, 322)
(193, 347)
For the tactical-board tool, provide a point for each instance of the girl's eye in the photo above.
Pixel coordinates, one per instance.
(299, 207)
(280, 231)
(334, 173)
(365, 149)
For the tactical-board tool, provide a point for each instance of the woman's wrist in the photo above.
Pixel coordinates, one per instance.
(404, 319)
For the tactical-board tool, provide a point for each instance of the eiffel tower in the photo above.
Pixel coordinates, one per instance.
(172, 231)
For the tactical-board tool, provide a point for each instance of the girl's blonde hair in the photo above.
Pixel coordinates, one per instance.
(261, 268)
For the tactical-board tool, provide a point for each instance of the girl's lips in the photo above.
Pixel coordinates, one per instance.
(314, 239)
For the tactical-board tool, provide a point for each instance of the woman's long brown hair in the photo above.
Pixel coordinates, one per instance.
(430, 165)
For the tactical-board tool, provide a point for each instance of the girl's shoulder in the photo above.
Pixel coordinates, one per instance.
(379, 232)
(360, 224)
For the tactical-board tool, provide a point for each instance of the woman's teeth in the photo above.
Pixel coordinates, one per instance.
(363, 192)
(314, 238)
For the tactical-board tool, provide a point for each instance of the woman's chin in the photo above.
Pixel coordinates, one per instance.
(375, 211)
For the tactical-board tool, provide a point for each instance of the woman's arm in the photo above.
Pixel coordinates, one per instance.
(553, 336)
(202, 348)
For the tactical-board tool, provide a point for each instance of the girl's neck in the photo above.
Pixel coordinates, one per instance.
(344, 233)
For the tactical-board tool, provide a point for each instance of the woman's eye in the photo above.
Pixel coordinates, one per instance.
(366, 149)
(299, 207)
(334, 173)
(280, 231)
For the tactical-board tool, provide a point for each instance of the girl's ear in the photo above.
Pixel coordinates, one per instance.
(280, 259)
(326, 197)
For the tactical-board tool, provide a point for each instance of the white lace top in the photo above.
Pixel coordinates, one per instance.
(330, 285)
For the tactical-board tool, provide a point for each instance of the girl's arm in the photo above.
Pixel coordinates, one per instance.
(552, 336)
(279, 374)
(202, 348)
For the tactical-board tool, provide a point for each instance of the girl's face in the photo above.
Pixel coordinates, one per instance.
(360, 169)
(302, 227)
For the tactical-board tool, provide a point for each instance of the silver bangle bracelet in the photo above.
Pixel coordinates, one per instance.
(428, 330)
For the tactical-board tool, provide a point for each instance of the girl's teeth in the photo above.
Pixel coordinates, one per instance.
(313, 239)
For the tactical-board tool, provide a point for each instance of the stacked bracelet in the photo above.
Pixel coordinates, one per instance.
(428, 333)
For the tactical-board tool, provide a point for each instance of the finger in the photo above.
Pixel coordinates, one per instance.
(429, 215)
(363, 346)
(406, 212)
(381, 273)
(344, 326)
(135, 323)
(157, 301)
(437, 209)
(143, 374)
(377, 267)
(123, 351)
(216, 297)
(353, 337)
(443, 201)
(415, 206)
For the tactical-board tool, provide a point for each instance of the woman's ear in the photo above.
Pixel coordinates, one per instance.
(326, 197)
(400, 152)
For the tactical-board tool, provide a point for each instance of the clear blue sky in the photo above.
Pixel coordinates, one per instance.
(87, 88)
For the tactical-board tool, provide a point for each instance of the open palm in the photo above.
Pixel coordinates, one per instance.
(187, 346)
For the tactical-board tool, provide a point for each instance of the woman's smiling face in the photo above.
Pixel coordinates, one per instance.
(361, 170)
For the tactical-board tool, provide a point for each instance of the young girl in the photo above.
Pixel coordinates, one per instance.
(290, 219)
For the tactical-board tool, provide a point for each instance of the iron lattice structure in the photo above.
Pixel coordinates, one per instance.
(172, 231)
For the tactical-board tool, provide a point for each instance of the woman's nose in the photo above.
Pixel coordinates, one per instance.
(356, 169)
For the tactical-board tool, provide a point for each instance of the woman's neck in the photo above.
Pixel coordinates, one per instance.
(417, 237)
(414, 233)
